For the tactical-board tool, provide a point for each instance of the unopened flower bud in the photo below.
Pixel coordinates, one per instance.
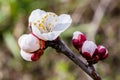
(89, 49)
(78, 39)
(102, 52)
(31, 56)
(29, 43)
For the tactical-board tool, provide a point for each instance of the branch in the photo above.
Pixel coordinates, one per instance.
(60, 46)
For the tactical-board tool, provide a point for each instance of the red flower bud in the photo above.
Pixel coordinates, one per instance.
(89, 50)
(102, 52)
(78, 39)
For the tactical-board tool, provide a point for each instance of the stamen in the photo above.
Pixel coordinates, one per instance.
(38, 21)
(35, 24)
(51, 26)
(42, 26)
(45, 16)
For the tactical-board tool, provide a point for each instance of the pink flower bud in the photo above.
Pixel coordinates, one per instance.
(31, 56)
(102, 52)
(89, 49)
(78, 39)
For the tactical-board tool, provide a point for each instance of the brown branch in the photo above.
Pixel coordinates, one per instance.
(60, 46)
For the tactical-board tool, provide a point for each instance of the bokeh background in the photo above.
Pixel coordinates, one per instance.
(98, 19)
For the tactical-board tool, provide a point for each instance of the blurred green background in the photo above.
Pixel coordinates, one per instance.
(55, 66)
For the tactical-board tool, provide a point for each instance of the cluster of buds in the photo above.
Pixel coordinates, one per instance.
(88, 49)
(46, 26)
(31, 47)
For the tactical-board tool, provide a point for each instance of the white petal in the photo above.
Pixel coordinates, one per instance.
(26, 56)
(21, 39)
(51, 35)
(101, 47)
(89, 46)
(36, 31)
(28, 43)
(64, 21)
(47, 36)
(64, 18)
(36, 14)
(76, 33)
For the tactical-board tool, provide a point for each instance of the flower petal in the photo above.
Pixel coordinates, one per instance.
(36, 14)
(64, 21)
(51, 35)
(28, 43)
(64, 18)
(26, 56)
(46, 36)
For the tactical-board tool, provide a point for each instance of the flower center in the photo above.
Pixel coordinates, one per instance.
(47, 23)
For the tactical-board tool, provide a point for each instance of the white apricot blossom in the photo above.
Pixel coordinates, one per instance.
(47, 25)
